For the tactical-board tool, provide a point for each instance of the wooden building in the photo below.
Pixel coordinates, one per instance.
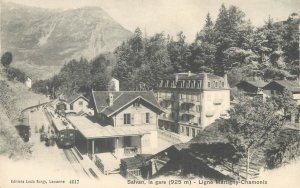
(252, 88)
(124, 124)
(72, 104)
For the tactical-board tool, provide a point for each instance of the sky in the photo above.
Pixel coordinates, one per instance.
(172, 16)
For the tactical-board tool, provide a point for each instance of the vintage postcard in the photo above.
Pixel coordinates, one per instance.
(152, 93)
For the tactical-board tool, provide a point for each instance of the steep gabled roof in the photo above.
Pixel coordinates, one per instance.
(121, 99)
(72, 98)
(255, 83)
(291, 85)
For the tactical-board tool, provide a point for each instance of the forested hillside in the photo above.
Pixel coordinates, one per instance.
(14, 97)
(230, 44)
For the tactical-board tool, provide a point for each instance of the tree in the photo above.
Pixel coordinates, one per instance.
(179, 53)
(203, 50)
(6, 59)
(285, 103)
(252, 125)
(136, 42)
(100, 76)
(231, 29)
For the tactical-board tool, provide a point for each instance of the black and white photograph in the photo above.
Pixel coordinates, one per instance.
(152, 93)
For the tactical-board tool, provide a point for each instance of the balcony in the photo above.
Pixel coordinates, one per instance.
(189, 123)
(130, 151)
(188, 112)
(167, 118)
(190, 101)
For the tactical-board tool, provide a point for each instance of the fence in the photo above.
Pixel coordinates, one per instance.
(172, 138)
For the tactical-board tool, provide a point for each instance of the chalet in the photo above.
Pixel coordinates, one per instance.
(77, 104)
(251, 88)
(276, 87)
(124, 124)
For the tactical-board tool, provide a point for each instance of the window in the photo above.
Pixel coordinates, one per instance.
(208, 84)
(147, 117)
(193, 97)
(199, 120)
(182, 129)
(198, 107)
(80, 103)
(198, 97)
(136, 104)
(187, 131)
(297, 118)
(193, 132)
(127, 141)
(127, 119)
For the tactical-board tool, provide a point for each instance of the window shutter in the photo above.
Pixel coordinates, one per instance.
(143, 118)
(132, 119)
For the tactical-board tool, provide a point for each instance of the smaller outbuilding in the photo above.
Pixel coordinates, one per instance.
(252, 87)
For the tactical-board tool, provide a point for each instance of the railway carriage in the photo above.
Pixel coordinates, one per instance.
(23, 129)
(65, 133)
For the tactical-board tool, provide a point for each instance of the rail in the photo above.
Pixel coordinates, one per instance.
(93, 173)
(35, 106)
(78, 153)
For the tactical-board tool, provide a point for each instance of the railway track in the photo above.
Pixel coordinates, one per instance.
(77, 166)
(74, 162)
(70, 156)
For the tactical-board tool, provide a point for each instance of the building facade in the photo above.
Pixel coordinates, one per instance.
(192, 101)
(72, 104)
(125, 123)
(252, 88)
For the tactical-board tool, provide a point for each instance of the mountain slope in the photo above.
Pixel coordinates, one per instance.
(52, 37)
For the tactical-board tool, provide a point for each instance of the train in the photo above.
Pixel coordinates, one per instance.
(23, 129)
(65, 133)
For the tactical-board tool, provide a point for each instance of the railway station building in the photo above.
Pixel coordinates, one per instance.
(124, 124)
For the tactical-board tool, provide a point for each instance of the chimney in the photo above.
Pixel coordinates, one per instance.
(225, 80)
(110, 99)
(114, 85)
(189, 73)
(205, 81)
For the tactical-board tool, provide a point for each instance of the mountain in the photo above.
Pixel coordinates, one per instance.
(52, 37)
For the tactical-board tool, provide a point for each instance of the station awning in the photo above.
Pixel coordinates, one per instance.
(92, 130)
